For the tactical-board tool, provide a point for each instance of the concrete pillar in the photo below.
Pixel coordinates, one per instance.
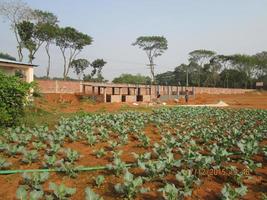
(105, 95)
(81, 87)
(56, 83)
(29, 74)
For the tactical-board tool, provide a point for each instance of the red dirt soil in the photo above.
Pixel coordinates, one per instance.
(69, 103)
(209, 189)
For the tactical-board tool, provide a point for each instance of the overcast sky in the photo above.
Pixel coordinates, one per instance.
(225, 26)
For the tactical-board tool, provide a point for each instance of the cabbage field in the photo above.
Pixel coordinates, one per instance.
(169, 153)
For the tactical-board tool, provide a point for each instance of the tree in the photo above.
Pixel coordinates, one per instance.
(233, 78)
(49, 33)
(246, 64)
(48, 27)
(7, 56)
(154, 46)
(13, 95)
(224, 63)
(97, 65)
(69, 39)
(31, 36)
(261, 63)
(167, 78)
(201, 57)
(15, 12)
(99, 78)
(182, 73)
(79, 66)
(44, 17)
(132, 79)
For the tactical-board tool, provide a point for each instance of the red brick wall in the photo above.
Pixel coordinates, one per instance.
(53, 86)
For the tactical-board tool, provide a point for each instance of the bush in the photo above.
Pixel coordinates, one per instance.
(13, 97)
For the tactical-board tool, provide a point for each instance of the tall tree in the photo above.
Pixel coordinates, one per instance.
(246, 64)
(201, 57)
(261, 59)
(49, 34)
(31, 36)
(47, 22)
(15, 12)
(154, 46)
(71, 42)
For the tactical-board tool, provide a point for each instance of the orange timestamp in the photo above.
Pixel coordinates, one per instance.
(220, 172)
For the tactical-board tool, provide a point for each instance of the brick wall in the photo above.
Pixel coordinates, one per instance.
(71, 87)
(55, 86)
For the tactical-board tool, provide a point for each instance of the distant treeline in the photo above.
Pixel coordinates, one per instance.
(207, 69)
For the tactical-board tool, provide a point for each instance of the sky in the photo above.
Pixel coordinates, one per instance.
(224, 26)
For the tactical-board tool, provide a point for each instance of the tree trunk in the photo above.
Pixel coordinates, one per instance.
(65, 65)
(30, 56)
(19, 47)
(49, 59)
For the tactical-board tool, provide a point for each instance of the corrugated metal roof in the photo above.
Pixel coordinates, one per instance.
(16, 62)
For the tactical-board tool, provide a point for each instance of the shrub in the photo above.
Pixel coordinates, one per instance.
(13, 96)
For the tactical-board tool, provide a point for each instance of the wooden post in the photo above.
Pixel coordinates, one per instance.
(113, 90)
(99, 90)
(93, 89)
(129, 91)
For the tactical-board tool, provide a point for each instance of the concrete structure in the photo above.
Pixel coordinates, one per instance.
(117, 92)
(11, 67)
(129, 91)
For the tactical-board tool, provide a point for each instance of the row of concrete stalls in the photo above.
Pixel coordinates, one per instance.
(174, 92)
(105, 92)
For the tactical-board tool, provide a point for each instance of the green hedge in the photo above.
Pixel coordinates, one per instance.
(13, 97)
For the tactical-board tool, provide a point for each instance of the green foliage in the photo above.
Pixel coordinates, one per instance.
(13, 95)
(99, 180)
(97, 66)
(230, 193)
(4, 164)
(70, 40)
(91, 195)
(132, 79)
(71, 155)
(187, 179)
(207, 69)
(7, 56)
(35, 180)
(170, 192)
(79, 65)
(154, 46)
(131, 186)
(61, 192)
(117, 166)
(100, 153)
(30, 156)
(22, 194)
